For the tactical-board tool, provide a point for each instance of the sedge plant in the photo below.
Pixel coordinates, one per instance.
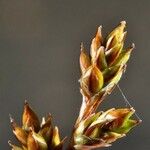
(101, 70)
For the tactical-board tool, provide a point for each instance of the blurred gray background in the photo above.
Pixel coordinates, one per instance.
(39, 51)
